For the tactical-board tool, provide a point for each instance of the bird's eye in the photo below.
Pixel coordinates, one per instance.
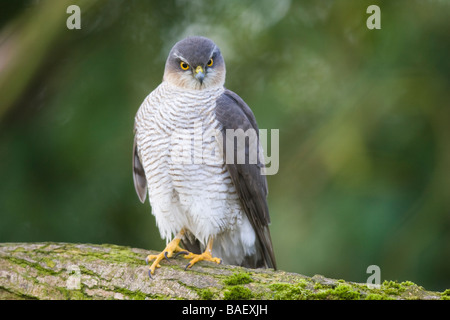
(184, 65)
(210, 62)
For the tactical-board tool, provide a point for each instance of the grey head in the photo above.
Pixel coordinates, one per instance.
(195, 63)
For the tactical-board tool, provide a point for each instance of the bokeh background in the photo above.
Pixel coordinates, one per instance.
(364, 120)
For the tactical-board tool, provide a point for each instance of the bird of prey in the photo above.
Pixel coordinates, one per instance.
(206, 206)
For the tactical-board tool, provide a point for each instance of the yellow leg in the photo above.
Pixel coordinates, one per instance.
(172, 247)
(205, 256)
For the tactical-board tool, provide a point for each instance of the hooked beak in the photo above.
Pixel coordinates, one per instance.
(199, 74)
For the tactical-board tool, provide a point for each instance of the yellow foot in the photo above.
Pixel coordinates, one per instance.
(167, 253)
(205, 256)
(173, 247)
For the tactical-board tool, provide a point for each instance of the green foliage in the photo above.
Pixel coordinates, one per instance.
(363, 118)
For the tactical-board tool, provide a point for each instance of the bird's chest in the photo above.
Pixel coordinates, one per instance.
(188, 183)
(180, 145)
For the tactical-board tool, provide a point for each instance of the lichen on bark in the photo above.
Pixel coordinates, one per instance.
(87, 271)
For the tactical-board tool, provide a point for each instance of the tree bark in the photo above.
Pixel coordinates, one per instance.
(87, 271)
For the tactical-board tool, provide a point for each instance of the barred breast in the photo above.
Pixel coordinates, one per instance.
(188, 184)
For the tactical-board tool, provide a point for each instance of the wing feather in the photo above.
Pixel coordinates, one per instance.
(233, 113)
(140, 181)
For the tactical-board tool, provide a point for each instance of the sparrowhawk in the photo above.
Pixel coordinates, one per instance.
(214, 206)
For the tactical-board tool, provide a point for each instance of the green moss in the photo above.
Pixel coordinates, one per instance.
(75, 294)
(87, 271)
(446, 292)
(345, 292)
(304, 290)
(118, 254)
(375, 296)
(25, 263)
(280, 286)
(132, 295)
(388, 290)
(6, 294)
(318, 286)
(391, 284)
(238, 278)
(286, 291)
(392, 288)
(205, 294)
(238, 293)
(339, 290)
(445, 295)
(70, 294)
(290, 291)
(50, 263)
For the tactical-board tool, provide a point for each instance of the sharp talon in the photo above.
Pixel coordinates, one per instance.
(181, 252)
(220, 261)
(187, 266)
(150, 274)
(146, 261)
(165, 256)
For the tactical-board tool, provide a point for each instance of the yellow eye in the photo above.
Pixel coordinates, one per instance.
(210, 62)
(184, 65)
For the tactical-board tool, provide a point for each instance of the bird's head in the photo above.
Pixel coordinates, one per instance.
(195, 63)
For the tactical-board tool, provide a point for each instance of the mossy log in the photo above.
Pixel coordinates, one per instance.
(87, 271)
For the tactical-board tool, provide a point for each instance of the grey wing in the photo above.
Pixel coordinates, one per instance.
(233, 113)
(140, 182)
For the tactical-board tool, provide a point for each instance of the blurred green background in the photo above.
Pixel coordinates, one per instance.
(364, 120)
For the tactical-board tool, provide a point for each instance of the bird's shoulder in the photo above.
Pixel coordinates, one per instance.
(233, 112)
